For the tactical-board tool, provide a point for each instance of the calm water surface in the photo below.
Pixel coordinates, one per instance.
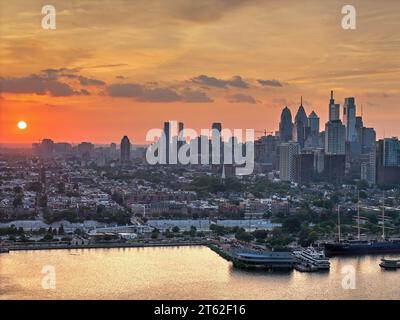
(180, 273)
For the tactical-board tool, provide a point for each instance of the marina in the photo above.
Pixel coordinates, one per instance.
(190, 272)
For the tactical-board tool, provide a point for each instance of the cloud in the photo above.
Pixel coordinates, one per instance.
(55, 73)
(37, 84)
(155, 94)
(204, 10)
(241, 98)
(125, 90)
(109, 65)
(69, 73)
(205, 80)
(190, 95)
(270, 83)
(159, 95)
(84, 81)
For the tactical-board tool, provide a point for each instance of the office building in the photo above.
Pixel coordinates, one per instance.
(335, 133)
(286, 126)
(125, 149)
(287, 164)
(349, 119)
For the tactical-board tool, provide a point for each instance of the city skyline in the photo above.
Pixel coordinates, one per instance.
(103, 74)
(285, 112)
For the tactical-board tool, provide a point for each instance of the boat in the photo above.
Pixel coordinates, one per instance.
(264, 260)
(359, 246)
(305, 267)
(355, 247)
(389, 264)
(311, 259)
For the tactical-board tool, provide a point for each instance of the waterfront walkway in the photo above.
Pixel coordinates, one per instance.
(49, 246)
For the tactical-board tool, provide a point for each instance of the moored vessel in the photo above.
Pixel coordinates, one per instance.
(389, 264)
(310, 259)
(264, 260)
(358, 246)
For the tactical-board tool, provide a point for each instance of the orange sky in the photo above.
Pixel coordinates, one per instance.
(123, 67)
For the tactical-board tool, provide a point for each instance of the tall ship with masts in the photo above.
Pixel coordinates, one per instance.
(359, 246)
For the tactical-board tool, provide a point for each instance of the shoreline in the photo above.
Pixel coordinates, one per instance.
(105, 246)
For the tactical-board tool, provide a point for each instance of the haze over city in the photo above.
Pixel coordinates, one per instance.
(104, 73)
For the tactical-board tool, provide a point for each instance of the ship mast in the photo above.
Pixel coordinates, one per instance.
(358, 214)
(338, 214)
(383, 216)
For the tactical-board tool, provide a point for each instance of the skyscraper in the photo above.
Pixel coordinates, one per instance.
(300, 125)
(125, 149)
(349, 119)
(368, 139)
(391, 152)
(313, 123)
(335, 131)
(334, 109)
(334, 168)
(217, 126)
(47, 148)
(387, 162)
(181, 141)
(304, 167)
(286, 125)
(216, 145)
(287, 161)
(335, 137)
(359, 128)
(167, 136)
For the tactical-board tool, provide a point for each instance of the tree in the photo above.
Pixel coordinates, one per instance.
(43, 201)
(17, 202)
(175, 229)
(17, 190)
(48, 237)
(193, 231)
(362, 185)
(154, 235)
(292, 225)
(61, 230)
(243, 236)
(260, 234)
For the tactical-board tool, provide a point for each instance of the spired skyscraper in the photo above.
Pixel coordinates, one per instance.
(300, 128)
(335, 131)
(286, 125)
(349, 119)
(334, 109)
(125, 149)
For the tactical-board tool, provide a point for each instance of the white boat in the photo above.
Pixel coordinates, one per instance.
(311, 259)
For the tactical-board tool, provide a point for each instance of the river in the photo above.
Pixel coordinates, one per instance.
(193, 272)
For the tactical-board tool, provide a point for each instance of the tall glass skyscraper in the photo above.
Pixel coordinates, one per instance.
(349, 119)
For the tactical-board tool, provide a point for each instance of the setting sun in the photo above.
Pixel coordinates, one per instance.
(22, 125)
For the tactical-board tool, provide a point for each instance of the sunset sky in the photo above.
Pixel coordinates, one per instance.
(123, 67)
